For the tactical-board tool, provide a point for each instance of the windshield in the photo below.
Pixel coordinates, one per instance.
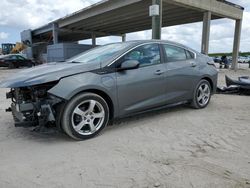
(99, 54)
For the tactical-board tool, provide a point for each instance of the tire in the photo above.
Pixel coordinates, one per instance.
(84, 116)
(11, 66)
(201, 100)
(29, 65)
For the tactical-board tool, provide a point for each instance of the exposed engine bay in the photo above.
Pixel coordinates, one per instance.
(33, 105)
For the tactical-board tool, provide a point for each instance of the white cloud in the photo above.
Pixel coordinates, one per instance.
(188, 34)
(3, 35)
(34, 13)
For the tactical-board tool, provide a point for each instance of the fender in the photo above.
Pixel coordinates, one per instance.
(70, 86)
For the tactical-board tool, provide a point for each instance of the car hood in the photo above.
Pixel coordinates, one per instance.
(46, 73)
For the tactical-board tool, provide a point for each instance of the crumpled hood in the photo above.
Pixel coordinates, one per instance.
(46, 73)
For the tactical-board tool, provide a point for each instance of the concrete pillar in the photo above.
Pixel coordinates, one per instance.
(236, 47)
(55, 33)
(206, 32)
(124, 38)
(26, 38)
(93, 39)
(157, 21)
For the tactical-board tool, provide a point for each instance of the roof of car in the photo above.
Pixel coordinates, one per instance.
(137, 42)
(153, 40)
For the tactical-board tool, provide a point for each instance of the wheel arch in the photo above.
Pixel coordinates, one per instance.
(106, 97)
(69, 87)
(210, 82)
(102, 94)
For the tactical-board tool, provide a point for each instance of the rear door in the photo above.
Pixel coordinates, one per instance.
(182, 73)
(142, 88)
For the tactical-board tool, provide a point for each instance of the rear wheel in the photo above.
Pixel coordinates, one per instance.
(85, 116)
(30, 64)
(202, 95)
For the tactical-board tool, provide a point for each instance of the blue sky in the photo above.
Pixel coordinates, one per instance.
(17, 15)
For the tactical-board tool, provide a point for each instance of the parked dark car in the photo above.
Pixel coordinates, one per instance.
(217, 59)
(82, 95)
(15, 61)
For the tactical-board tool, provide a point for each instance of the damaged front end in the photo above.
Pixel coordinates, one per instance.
(33, 105)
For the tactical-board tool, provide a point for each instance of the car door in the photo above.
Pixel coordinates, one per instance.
(13, 60)
(142, 88)
(182, 73)
(21, 61)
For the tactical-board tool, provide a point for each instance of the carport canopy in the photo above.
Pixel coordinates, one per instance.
(118, 17)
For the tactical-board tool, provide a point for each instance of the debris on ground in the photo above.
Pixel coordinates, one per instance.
(240, 86)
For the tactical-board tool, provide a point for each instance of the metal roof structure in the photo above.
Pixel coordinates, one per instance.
(117, 17)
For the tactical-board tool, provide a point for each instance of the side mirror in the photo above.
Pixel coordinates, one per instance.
(128, 65)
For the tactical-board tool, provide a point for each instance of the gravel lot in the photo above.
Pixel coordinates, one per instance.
(172, 148)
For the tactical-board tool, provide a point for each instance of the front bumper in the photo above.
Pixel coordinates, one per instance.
(28, 113)
(3, 64)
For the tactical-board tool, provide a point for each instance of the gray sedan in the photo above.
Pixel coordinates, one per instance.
(82, 95)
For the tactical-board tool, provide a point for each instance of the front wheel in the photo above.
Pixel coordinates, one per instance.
(202, 95)
(84, 116)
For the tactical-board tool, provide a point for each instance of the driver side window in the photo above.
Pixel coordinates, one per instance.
(146, 55)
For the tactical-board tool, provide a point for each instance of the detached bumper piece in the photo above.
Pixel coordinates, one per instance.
(33, 106)
(240, 86)
(20, 119)
(10, 95)
(25, 115)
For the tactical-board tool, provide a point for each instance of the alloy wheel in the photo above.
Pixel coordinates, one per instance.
(88, 117)
(203, 94)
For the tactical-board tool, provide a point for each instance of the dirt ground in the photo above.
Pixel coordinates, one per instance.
(172, 148)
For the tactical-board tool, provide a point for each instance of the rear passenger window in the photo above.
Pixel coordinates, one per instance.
(175, 53)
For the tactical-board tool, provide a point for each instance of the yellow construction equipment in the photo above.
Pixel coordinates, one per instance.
(18, 48)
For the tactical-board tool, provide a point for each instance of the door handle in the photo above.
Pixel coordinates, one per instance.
(193, 64)
(159, 72)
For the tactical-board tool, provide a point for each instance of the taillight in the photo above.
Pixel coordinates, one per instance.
(211, 63)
